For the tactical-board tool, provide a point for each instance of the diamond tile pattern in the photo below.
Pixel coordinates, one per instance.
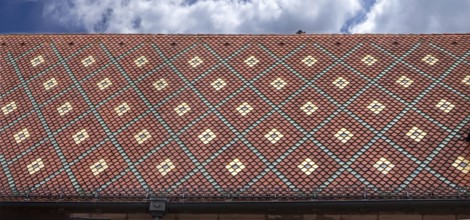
(249, 112)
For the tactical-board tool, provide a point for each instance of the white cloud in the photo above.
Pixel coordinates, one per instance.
(203, 16)
(416, 16)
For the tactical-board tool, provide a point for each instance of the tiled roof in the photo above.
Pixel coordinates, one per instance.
(251, 114)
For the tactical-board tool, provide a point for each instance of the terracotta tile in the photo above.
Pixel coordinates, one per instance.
(378, 117)
(160, 85)
(50, 84)
(21, 102)
(343, 144)
(436, 68)
(12, 81)
(140, 61)
(400, 165)
(124, 185)
(73, 148)
(115, 86)
(96, 56)
(443, 161)
(122, 109)
(64, 109)
(285, 135)
(249, 72)
(218, 135)
(309, 121)
(155, 135)
(26, 176)
(218, 85)
(278, 84)
(379, 61)
(449, 115)
(322, 60)
(243, 121)
(281, 46)
(415, 82)
(223, 46)
(205, 61)
(189, 102)
(314, 178)
(44, 53)
(181, 117)
(340, 83)
(458, 78)
(158, 180)
(431, 135)
(252, 166)
(109, 159)
(35, 133)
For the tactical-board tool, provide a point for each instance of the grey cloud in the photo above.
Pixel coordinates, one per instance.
(204, 16)
(416, 16)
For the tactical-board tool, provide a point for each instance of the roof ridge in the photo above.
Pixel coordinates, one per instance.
(224, 35)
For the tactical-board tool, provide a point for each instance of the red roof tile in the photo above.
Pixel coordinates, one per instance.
(238, 116)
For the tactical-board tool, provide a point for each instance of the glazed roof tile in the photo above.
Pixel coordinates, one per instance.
(255, 116)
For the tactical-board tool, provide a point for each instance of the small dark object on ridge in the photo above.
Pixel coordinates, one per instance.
(300, 32)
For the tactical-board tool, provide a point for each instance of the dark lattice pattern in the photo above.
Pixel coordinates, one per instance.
(202, 114)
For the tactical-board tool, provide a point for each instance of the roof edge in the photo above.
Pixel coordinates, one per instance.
(227, 35)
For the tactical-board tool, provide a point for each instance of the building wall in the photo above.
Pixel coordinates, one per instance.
(60, 215)
(377, 216)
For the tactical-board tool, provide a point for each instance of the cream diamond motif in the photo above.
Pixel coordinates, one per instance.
(251, 61)
(142, 136)
(65, 108)
(235, 167)
(37, 60)
(344, 135)
(340, 82)
(182, 109)
(274, 136)
(105, 83)
(383, 165)
(376, 107)
(98, 167)
(445, 106)
(165, 167)
(7, 109)
(49, 84)
(141, 61)
(466, 80)
(122, 108)
(309, 108)
(307, 166)
(462, 164)
(404, 81)
(35, 166)
(21, 136)
(218, 84)
(160, 84)
(194, 62)
(88, 61)
(80, 136)
(309, 60)
(429, 59)
(369, 60)
(279, 83)
(207, 136)
(416, 134)
(244, 108)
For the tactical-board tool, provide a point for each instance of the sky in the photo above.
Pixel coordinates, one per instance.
(234, 16)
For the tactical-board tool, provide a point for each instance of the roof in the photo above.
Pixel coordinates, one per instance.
(234, 116)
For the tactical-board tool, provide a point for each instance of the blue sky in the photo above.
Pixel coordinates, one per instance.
(234, 16)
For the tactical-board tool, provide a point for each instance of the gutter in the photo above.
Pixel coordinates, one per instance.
(291, 207)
